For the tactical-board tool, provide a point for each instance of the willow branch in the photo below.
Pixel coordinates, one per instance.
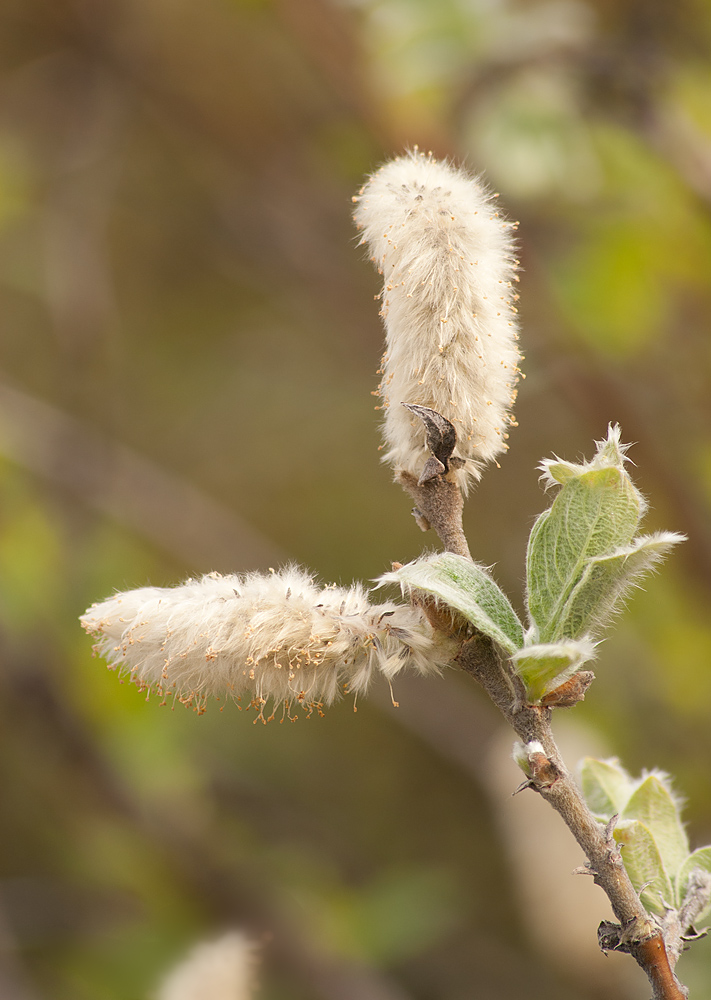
(440, 505)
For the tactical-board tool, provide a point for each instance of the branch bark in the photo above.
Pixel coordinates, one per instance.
(636, 933)
(439, 505)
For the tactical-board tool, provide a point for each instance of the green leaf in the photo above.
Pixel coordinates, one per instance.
(700, 859)
(644, 865)
(467, 588)
(653, 804)
(544, 667)
(596, 511)
(606, 786)
(604, 582)
(610, 453)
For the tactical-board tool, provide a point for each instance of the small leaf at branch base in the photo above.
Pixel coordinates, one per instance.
(655, 847)
(467, 588)
(545, 667)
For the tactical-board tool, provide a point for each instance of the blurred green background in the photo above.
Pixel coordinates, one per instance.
(188, 343)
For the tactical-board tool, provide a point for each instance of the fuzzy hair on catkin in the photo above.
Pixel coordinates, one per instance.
(278, 636)
(447, 256)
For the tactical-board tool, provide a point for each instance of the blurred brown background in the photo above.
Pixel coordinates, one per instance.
(188, 342)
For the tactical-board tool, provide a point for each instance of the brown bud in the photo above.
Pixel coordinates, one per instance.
(544, 772)
(570, 692)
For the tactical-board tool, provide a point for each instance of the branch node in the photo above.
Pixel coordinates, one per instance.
(544, 772)
(436, 492)
(609, 829)
(420, 520)
(584, 870)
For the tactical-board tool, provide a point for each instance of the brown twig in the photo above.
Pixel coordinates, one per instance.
(439, 505)
(636, 932)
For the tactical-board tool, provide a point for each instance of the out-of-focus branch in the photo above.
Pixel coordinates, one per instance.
(13, 982)
(625, 76)
(107, 476)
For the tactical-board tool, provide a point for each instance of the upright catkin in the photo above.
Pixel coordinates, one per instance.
(278, 637)
(447, 256)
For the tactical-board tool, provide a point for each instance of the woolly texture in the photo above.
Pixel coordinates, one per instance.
(447, 258)
(215, 970)
(610, 453)
(278, 636)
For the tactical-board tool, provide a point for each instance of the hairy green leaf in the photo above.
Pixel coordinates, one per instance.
(644, 865)
(606, 786)
(604, 582)
(467, 588)
(593, 514)
(596, 512)
(653, 804)
(544, 667)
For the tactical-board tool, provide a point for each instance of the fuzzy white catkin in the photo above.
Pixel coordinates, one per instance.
(214, 970)
(447, 257)
(277, 636)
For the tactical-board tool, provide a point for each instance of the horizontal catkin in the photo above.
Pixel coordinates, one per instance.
(277, 636)
(447, 257)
